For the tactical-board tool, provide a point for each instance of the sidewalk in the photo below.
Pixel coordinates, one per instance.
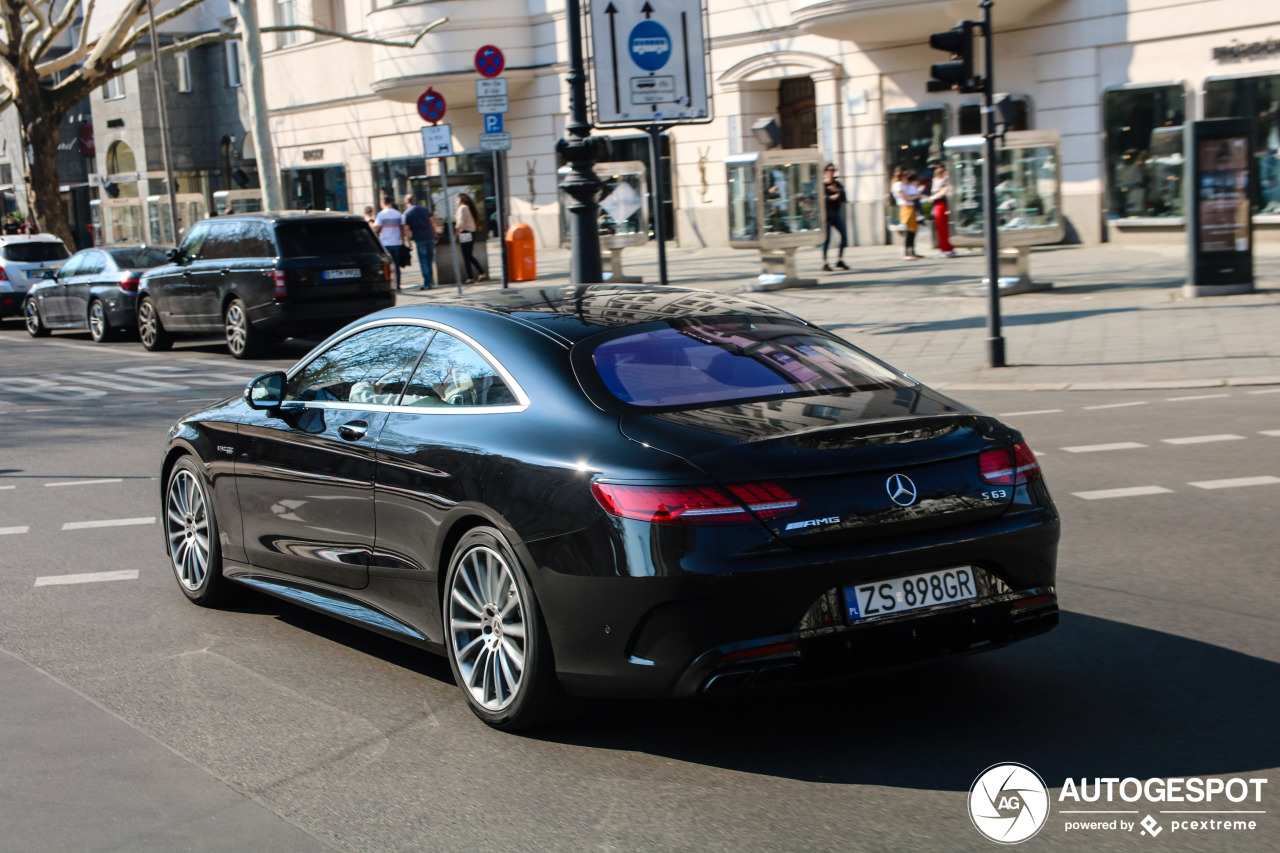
(1114, 319)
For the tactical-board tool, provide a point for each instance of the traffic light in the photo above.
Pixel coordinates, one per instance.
(957, 73)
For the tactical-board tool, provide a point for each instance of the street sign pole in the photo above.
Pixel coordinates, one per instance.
(655, 176)
(500, 195)
(579, 151)
(995, 341)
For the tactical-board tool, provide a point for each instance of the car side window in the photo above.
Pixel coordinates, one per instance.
(194, 242)
(91, 264)
(451, 373)
(71, 267)
(255, 241)
(368, 367)
(222, 242)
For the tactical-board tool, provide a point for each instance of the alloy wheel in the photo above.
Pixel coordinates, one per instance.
(98, 321)
(487, 628)
(148, 324)
(31, 316)
(187, 526)
(237, 329)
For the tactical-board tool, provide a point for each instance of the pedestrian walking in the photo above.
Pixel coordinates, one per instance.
(464, 223)
(941, 211)
(370, 217)
(390, 226)
(422, 230)
(905, 192)
(833, 192)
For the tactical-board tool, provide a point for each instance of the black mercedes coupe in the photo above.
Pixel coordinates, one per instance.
(616, 491)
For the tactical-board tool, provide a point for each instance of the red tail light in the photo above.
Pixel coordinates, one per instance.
(129, 284)
(3, 277)
(1009, 466)
(282, 290)
(386, 272)
(695, 505)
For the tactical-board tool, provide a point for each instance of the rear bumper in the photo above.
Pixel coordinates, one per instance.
(687, 634)
(310, 318)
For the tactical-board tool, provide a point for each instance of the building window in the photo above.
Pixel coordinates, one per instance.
(184, 71)
(286, 16)
(914, 138)
(1257, 98)
(113, 88)
(233, 64)
(797, 113)
(1144, 151)
(6, 174)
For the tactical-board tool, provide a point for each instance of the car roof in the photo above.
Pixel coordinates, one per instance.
(29, 238)
(288, 215)
(575, 312)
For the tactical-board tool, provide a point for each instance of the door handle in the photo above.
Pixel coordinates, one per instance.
(353, 431)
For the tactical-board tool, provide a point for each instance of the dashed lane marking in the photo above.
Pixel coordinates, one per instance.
(88, 577)
(1131, 492)
(1196, 397)
(1097, 448)
(6, 488)
(1275, 433)
(1203, 439)
(83, 482)
(1236, 483)
(1116, 405)
(9, 531)
(1265, 391)
(1032, 412)
(109, 522)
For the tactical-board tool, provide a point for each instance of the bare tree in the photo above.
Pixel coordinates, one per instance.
(43, 85)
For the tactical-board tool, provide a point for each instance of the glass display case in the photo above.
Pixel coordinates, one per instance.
(117, 220)
(240, 201)
(191, 208)
(624, 204)
(775, 199)
(1028, 189)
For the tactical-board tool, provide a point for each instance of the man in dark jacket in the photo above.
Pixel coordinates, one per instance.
(422, 230)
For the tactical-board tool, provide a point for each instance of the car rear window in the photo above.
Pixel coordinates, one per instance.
(142, 259)
(720, 362)
(31, 253)
(318, 237)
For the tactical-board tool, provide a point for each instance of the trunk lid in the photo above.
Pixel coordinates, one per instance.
(866, 464)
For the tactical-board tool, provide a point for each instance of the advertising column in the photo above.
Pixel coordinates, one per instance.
(1220, 232)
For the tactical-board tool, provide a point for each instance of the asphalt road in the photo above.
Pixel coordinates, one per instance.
(132, 720)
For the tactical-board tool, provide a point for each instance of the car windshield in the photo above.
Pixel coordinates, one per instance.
(35, 252)
(319, 237)
(719, 361)
(138, 259)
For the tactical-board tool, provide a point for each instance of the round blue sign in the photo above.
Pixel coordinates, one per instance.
(650, 45)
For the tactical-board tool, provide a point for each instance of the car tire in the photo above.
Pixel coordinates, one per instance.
(100, 328)
(191, 533)
(497, 642)
(242, 340)
(31, 315)
(150, 330)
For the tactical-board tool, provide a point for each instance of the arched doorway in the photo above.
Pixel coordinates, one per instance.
(120, 161)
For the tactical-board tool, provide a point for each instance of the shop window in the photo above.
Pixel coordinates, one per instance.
(970, 118)
(797, 113)
(1144, 151)
(1257, 98)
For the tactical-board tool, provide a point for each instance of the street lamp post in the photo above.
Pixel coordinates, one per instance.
(579, 150)
(164, 124)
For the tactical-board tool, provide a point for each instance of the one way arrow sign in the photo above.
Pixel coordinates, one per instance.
(650, 62)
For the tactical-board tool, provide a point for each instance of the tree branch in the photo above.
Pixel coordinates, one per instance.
(109, 43)
(63, 21)
(181, 47)
(161, 19)
(72, 56)
(35, 27)
(360, 39)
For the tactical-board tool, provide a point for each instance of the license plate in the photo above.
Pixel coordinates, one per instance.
(900, 595)
(35, 275)
(342, 273)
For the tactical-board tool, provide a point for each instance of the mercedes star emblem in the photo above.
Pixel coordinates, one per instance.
(901, 490)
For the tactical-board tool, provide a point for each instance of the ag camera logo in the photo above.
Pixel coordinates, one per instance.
(1008, 803)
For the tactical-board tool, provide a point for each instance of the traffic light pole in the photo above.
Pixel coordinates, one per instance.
(995, 341)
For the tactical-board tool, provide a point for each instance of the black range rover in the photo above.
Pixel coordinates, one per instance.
(261, 276)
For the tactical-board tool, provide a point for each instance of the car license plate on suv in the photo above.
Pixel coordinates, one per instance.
(899, 595)
(342, 273)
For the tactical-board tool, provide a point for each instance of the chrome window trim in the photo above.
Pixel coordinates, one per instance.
(516, 389)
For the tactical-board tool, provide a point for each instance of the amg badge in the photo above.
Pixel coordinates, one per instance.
(813, 522)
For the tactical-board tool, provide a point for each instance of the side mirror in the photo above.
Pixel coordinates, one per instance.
(266, 392)
(172, 254)
(49, 275)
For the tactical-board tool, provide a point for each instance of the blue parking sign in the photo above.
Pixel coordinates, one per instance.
(493, 123)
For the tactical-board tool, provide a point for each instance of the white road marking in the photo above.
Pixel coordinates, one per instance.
(109, 522)
(1275, 433)
(9, 531)
(6, 488)
(1116, 405)
(1203, 439)
(1235, 483)
(83, 482)
(1131, 492)
(88, 577)
(1033, 412)
(1094, 448)
(1197, 397)
(1265, 391)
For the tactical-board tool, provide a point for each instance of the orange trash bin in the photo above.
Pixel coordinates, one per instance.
(521, 258)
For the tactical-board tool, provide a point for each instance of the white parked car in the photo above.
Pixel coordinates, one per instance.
(24, 259)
